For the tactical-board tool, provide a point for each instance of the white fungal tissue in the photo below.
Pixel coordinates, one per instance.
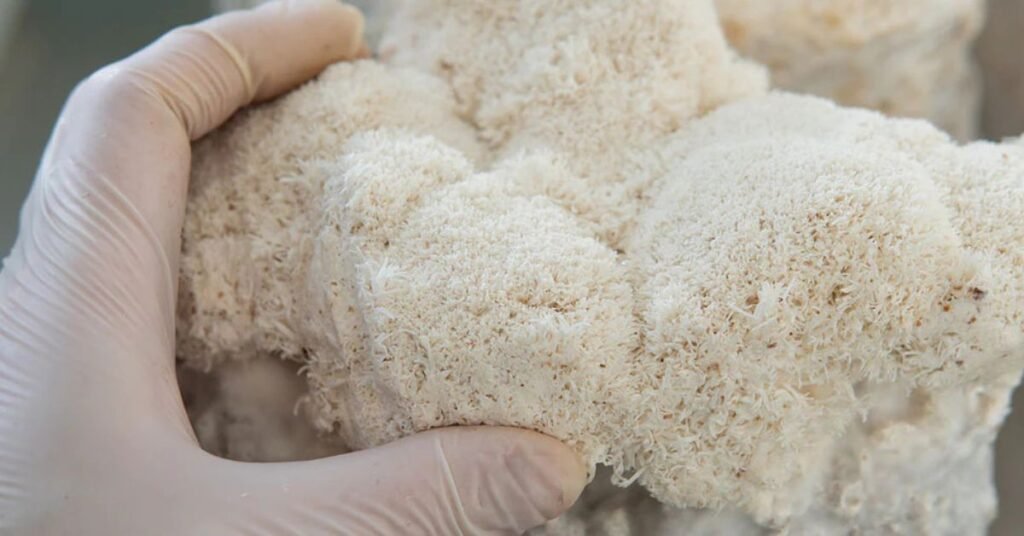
(593, 219)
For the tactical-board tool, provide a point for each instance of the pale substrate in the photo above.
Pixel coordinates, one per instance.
(779, 295)
(908, 58)
(251, 411)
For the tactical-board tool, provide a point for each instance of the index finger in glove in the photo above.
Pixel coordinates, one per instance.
(206, 72)
(133, 121)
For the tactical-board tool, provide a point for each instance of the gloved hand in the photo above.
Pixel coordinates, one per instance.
(93, 435)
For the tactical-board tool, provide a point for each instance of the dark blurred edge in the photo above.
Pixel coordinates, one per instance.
(55, 44)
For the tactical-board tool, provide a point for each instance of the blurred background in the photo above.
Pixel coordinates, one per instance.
(46, 46)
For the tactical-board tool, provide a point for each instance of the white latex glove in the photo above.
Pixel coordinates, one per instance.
(93, 435)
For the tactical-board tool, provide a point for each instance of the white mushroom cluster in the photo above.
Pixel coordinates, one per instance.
(594, 220)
